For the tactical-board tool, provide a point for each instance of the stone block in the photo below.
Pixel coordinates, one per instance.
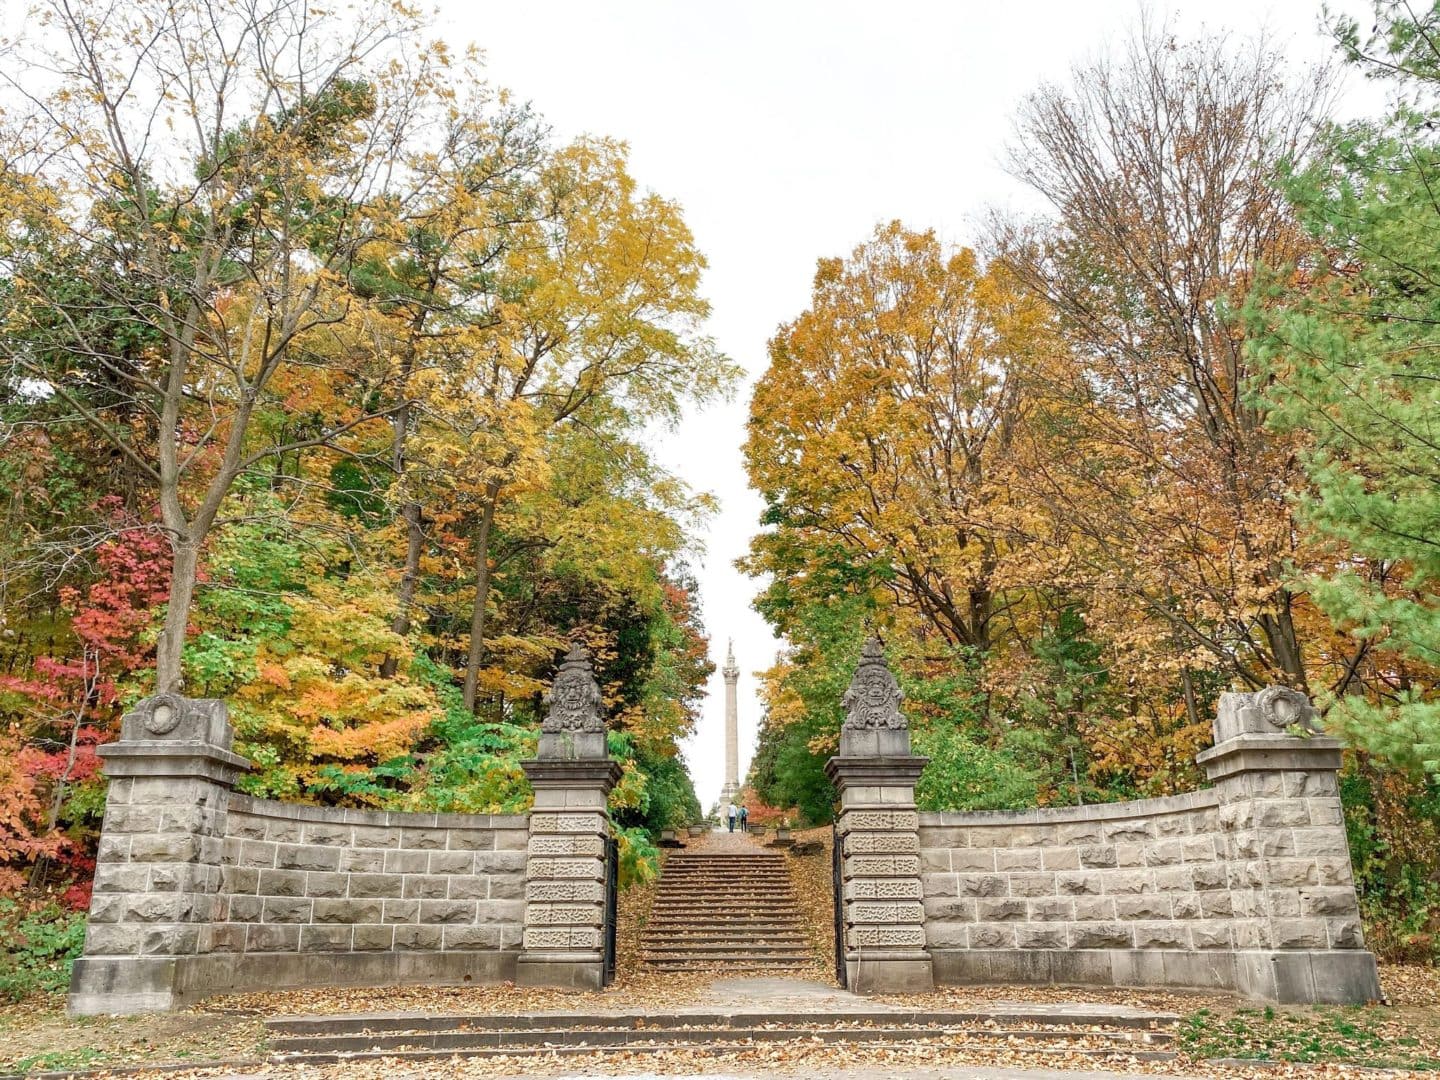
(991, 936)
(565, 890)
(1101, 936)
(1079, 884)
(1217, 905)
(447, 911)
(1025, 859)
(1216, 935)
(1164, 935)
(376, 885)
(948, 909)
(1129, 832)
(875, 912)
(179, 848)
(362, 860)
(570, 822)
(1032, 884)
(284, 909)
(1094, 908)
(374, 836)
(423, 839)
(451, 862)
(426, 887)
(1052, 909)
(470, 937)
(1165, 853)
(1173, 879)
(883, 889)
(491, 912)
(157, 907)
(371, 937)
(465, 887)
(242, 909)
(1060, 859)
(937, 860)
(235, 879)
(306, 857)
(503, 862)
(1001, 910)
(515, 839)
(980, 885)
(1207, 876)
(120, 878)
(1299, 934)
(470, 840)
(1132, 881)
(973, 859)
(886, 937)
(408, 862)
(557, 844)
(400, 911)
(257, 853)
(1040, 937)
(271, 937)
(1142, 907)
(1321, 842)
(325, 833)
(281, 883)
(326, 884)
(1292, 872)
(881, 844)
(1129, 854)
(414, 936)
(325, 938)
(510, 887)
(283, 830)
(346, 911)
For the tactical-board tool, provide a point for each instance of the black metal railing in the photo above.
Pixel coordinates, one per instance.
(837, 888)
(612, 897)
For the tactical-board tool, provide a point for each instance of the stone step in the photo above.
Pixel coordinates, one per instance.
(1061, 1016)
(766, 949)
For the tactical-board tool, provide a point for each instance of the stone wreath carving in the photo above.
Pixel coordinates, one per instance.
(575, 701)
(1282, 708)
(873, 700)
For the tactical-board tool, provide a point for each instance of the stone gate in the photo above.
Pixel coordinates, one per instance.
(1244, 886)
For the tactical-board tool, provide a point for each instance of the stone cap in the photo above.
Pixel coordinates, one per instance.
(1276, 710)
(172, 718)
(583, 773)
(172, 760)
(1270, 753)
(895, 771)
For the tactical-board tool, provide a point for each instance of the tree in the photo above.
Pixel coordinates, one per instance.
(198, 180)
(886, 426)
(1349, 357)
(1168, 508)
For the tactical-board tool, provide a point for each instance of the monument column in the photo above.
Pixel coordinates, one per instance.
(732, 729)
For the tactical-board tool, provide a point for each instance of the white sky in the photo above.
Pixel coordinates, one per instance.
(787, 130)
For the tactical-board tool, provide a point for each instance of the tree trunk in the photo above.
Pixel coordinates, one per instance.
(169, 677)
(409, 580)
(482, 592)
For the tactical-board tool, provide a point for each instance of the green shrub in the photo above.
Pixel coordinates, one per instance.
(41, 945)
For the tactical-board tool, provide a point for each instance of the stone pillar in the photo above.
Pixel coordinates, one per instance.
(564, 936)
(731, 671)
(1292, 890)
(878, 830)
(157, 875)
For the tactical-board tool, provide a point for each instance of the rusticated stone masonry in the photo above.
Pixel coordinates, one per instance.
(564, 939)
(878, 832)
(1243, 886)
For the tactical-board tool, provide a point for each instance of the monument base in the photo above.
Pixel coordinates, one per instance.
(564, 970)
(908, 972)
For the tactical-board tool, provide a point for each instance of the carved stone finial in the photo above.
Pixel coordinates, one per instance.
(873, 700)
(1282, 707)
(178, 719)
(575, 702)
(731, 670)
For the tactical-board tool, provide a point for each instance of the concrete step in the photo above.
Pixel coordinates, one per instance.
(294, 1048)
(1060, 1016)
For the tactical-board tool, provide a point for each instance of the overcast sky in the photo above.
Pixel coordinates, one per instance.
(787, 130)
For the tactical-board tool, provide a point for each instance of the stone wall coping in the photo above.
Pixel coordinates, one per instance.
(335, 815)
(1275, 743)
(1203, 799)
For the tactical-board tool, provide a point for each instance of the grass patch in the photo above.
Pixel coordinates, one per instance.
(54, 1060)
(1355, 1036)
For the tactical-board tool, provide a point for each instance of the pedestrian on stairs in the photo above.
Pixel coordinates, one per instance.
(744, 818)
(731, 815)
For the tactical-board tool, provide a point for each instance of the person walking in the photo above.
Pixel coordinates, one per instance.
(744, 818)
(730, 814)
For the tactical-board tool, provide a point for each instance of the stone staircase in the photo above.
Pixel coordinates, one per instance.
(725, 912)
(1040, 1033)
